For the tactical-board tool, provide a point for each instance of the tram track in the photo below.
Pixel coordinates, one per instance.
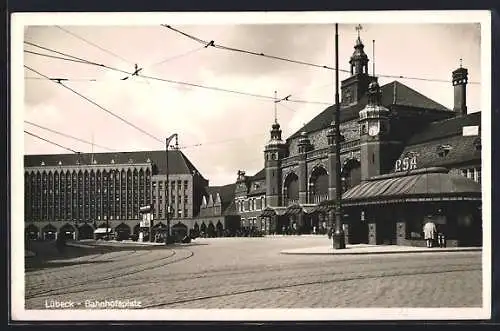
(101, 257)
(70, 289)
(343, 278)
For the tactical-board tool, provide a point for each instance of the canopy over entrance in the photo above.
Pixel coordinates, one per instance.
(431, 184)
(271, 211)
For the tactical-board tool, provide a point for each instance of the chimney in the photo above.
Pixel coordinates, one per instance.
(460, 90)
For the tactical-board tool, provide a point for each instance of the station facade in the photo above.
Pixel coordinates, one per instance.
(405, 159)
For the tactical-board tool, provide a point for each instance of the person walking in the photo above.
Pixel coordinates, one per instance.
(429, 233)
(441, 238)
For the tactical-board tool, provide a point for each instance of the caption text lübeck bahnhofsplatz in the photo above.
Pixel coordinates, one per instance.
(93, 304)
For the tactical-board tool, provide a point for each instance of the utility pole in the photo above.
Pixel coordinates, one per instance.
(169, 186)
(338, 235)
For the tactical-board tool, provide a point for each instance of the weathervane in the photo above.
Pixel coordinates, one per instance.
(359, 28)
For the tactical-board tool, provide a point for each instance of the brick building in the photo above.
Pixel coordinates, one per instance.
(218, 215)
(77, 193)
(400, 151)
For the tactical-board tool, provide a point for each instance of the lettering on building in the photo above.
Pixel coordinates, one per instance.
(406, 164)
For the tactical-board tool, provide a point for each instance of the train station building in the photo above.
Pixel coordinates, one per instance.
(405, 159)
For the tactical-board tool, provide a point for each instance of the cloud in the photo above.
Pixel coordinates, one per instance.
(229, 130)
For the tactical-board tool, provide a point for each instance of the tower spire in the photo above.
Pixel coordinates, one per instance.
(275, 107)
(358, 28)
(373, 56)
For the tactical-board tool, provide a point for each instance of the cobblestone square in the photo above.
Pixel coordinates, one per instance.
(251, 273)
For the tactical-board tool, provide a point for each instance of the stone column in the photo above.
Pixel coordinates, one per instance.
(302, 174)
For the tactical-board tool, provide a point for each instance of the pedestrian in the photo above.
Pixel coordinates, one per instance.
(441, 237)
(429, 232)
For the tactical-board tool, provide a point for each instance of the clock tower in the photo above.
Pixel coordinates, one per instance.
(375, 143)
(355, 87)
(274, 152)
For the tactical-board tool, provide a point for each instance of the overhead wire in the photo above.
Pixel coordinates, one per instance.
(97, 105)
(83, 61)
(69, 136)
(238, 50)
(50, 142)
(92, 44)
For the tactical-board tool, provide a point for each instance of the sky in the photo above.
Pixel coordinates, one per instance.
(221, 132)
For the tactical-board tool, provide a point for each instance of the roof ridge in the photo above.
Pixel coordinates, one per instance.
(417, 93)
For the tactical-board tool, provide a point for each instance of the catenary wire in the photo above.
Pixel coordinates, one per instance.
(83, 61)
(213, 44)
(91, 43)
(69, 136)
(96, 104)
(50, 142)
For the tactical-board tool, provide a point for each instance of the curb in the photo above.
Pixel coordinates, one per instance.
(79, 245)
(385, 252)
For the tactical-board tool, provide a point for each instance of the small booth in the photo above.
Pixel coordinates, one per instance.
(146, 225)
(394, 207)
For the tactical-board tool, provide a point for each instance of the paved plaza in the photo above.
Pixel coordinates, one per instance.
(251, 273)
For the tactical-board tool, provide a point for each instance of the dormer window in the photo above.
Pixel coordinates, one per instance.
(43, 163)
(112, 161)
(59, 163)
(94, 161)
(443, 150)
(148, 160)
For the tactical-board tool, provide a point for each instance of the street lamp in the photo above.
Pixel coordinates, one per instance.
(169, 186)
(338, 235)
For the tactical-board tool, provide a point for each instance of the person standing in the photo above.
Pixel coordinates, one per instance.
(429, 232)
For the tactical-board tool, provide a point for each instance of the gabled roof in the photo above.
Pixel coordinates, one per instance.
(226, 193)
(178, 163)
(460, 149)
(445, 128)
(259, 175)
(394, 93)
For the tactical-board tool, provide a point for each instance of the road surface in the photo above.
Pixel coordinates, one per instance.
(251, 273)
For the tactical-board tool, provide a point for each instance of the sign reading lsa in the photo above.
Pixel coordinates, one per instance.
(406, 164)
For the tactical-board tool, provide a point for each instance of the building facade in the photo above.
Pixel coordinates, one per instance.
(218, 216)
(74, 194)
(390, 129)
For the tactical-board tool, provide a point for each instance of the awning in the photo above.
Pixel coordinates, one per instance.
(271, 211)
(293, 210)
(432, 184)
(268, 212)
(326, 206)
(103, 230)
(310, 208)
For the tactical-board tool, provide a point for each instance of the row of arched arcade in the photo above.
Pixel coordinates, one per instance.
(122, 231)
(318, 183)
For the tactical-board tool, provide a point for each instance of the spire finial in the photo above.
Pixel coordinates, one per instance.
(358, 28)
(373, 63)
(275, 107)
(460, 62)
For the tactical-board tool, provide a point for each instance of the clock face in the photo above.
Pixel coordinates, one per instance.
(373, 129)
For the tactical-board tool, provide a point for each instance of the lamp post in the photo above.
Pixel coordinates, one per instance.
(338, 235)
(169, 187)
